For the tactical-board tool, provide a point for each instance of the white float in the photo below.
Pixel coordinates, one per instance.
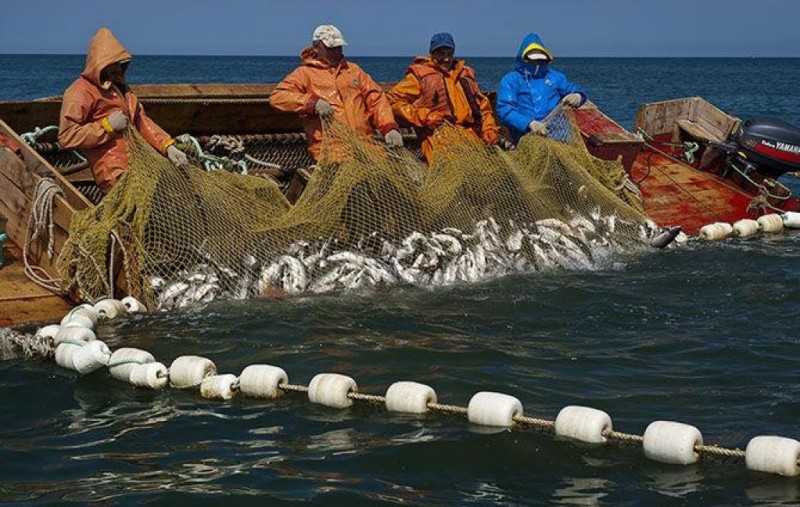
(770, 223)
(584, 424)
(189, 371)
(64, 354)
(78, 320)
(49, 331)
(745, 228)
(791, 220)
(672, 442)
(149, 375)
(108, 309)
(409, 397)
(219, 387)
(331, 390)
(716, 231)
(86, 310)
(777, 455)
(90, 357)
(262, 381)
(133, 305)
(493, 409)
(74, 335)
(123, 360)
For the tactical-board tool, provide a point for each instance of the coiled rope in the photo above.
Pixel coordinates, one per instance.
(40, 226)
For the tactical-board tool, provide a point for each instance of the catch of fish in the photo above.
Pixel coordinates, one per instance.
(440, 258)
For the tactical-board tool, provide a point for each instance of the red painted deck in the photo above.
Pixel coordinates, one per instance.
(677, 194)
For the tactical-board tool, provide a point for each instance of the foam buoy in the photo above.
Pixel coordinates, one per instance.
(64, 354)
(745, 228)
(331, 390)
(672, 442)
(409, 397)
(584, 424)
(74, 335)
(124, 359)
(716, 231)
(78, 320)
(791, 220)
(86, 310)
(149, 375)
(493, 409)
(49, 331)
(262, 381)
(109, 309)
(777, 455)
(219, 387)
(90, 357)
(770, 223)
(189, 371)
(133, 305)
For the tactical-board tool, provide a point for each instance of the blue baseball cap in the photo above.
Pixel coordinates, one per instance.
(442, 40)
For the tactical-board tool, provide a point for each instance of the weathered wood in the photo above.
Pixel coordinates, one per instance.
(38, 167)
(21, 300)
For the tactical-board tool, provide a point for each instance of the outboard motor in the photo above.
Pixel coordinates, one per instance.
(766, 145)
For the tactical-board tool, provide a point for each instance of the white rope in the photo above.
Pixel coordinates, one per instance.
(40, 225)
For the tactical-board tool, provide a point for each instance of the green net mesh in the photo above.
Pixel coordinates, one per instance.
(368, 217)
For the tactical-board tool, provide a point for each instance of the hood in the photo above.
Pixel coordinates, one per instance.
(104, 49)
(532, 41)
(309, 57)
(427, 61)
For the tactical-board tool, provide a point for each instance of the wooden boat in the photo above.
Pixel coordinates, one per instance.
(676, 191)
(684, 179)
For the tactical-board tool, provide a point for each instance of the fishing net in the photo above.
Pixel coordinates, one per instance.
(369, 216)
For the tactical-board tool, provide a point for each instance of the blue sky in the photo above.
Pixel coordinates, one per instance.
(403, 27)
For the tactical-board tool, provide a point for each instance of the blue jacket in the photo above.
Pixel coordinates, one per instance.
(531, 91)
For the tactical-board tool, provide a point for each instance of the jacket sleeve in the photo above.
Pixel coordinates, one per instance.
(402, 97)
(488, 124)
(75, 130)
(565, 87)
(292, 94)
(507, 109)
(380, 112)
(151, 132)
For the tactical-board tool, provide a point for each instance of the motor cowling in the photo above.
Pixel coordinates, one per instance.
(772, 145)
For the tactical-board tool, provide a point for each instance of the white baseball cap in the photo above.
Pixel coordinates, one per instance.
(329, 35)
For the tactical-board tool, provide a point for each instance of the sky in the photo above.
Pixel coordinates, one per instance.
(571, 28)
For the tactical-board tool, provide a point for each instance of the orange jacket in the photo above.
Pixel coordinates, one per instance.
(427, 87)
(88, 102)
(356, 99)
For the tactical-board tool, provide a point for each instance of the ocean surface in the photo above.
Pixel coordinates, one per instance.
(704, 334)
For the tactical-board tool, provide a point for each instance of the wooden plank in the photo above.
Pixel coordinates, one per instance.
(20, 185)
(23, 301)
(38, 167)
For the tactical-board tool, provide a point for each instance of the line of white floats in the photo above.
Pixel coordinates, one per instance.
(746, 227)
(78, 349)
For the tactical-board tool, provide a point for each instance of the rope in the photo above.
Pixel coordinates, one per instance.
(211, 162)
(39, 225)
(369, 398)
(31, 137)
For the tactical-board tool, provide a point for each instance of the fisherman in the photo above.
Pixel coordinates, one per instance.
(99, 106)
(532, 90)
(438, 89)
(327, 85)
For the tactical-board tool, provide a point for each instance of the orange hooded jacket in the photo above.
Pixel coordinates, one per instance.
(86, 106)
(455, 94)
(356, 99)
